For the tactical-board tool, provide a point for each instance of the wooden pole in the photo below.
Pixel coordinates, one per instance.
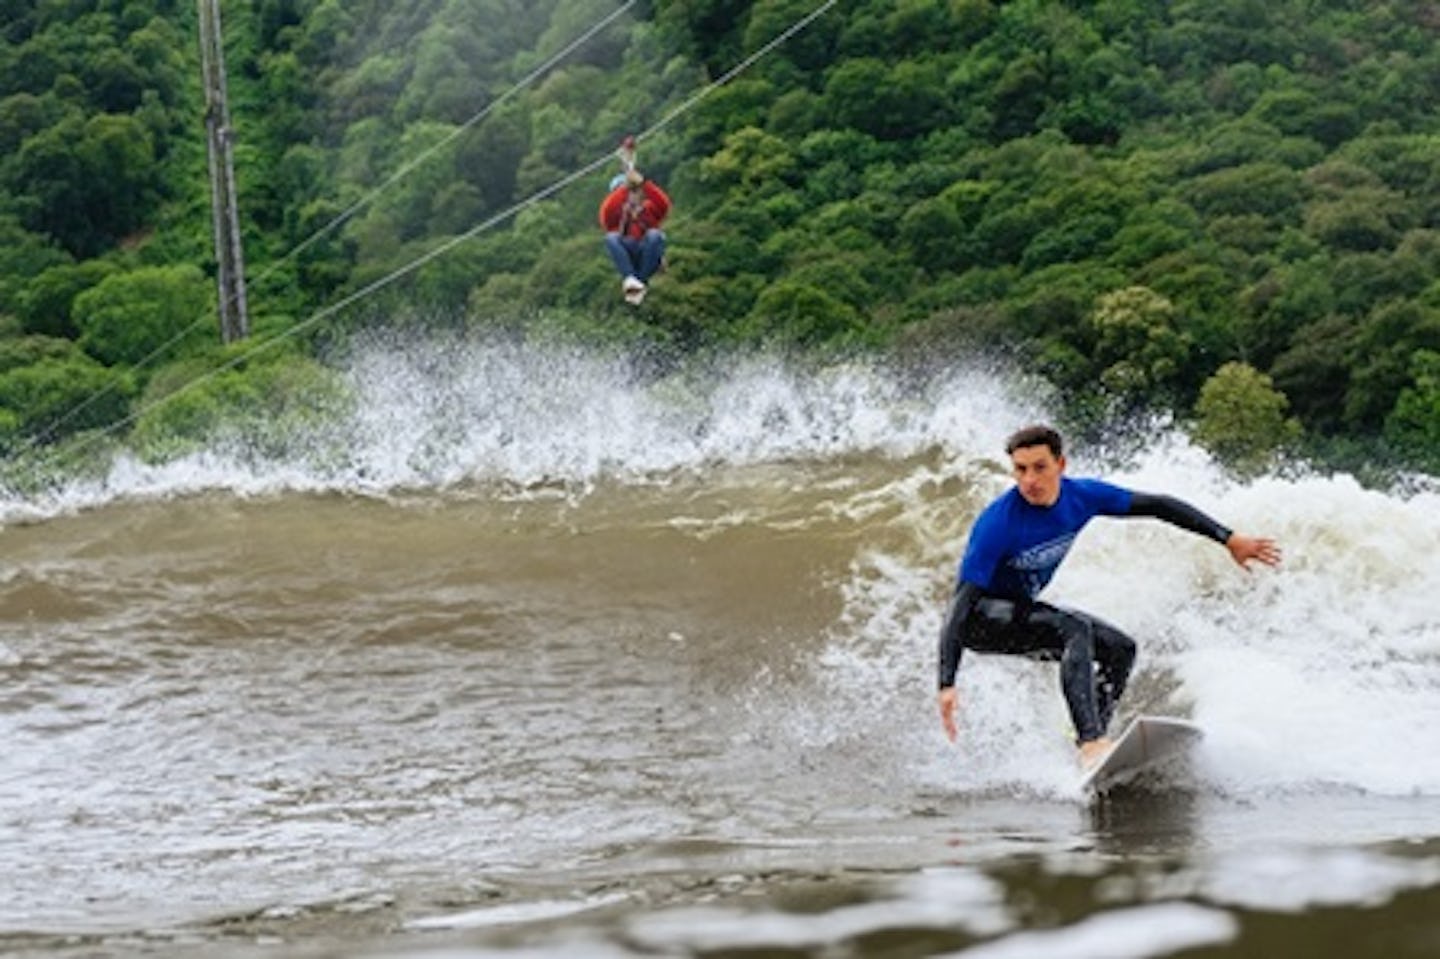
(229, 256)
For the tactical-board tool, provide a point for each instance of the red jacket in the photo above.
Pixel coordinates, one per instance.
(616, 218)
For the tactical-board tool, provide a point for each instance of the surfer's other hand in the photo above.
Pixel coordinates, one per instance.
(949, 699)
(1243, 549)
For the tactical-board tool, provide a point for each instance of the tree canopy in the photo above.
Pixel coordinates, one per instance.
(1155, 204)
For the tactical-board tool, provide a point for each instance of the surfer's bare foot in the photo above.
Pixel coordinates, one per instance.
(1093, 751)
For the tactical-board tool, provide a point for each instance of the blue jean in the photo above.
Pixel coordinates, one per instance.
(639, 258)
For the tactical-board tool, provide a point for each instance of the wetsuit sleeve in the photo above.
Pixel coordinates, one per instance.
(1177, 513)
(961, 606)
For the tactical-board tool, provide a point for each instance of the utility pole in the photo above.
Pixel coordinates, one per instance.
(229, 257)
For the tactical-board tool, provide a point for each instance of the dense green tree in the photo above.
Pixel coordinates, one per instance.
(810, 51)
(46, 306)
(1314, 371)
(1241, 418)
(127, 316)
(1386, 345)
(22, 115)
(27, 350)
(743, 102)
(1048, 311)
(330, 26)
(933, 233)
(489, 156)
(1363, 281)
(1152, 231)
(709, 30)
(1286, 299)
(749, 160)
(60, 394)
(1139, 347)
(1078, 235)
(1358, 217)
(1125, 194)
(791, 313)
(23, 255)
(1266, 189)
(272, 407)
(1243, 142)
(1413, 426)
(92, 181)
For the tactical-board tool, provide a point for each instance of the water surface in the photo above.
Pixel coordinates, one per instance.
(534, 657)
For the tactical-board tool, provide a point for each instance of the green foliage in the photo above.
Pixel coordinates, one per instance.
(277, 406)
(1240, 418)
(22, 115)
(28, 350)
(46, 306)
(796, 314)
(1266, 189)
(60, 392)
(1138, 345)
(1386, 344)
(1128, 195)
(750, 159)
(128, 316)
(1413, 426)
(1314, 371)
(887, 102)
(809, 52)
(23, 255)
(91, 181)
(933, 232)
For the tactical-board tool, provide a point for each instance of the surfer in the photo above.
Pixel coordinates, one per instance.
(631, 215)
(1014, 548)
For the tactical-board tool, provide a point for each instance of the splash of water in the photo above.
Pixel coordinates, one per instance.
(438, 414)
(1320, 676)
(1317, 677)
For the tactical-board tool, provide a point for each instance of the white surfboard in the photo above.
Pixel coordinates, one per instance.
(1147, 742)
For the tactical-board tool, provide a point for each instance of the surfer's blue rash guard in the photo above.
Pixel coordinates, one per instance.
(1015, 547)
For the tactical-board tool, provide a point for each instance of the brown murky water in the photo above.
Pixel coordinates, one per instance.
(690, 713)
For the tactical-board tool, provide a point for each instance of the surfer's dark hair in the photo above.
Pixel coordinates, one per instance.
(1036, 436)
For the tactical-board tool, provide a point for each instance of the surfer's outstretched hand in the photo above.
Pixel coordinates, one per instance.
(949, 699)
(1243, 549)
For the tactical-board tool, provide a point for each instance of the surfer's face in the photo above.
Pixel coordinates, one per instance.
(1037, 474)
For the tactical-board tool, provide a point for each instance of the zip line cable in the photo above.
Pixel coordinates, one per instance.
(404, 170)
(345, 215)
(741, 67)
(415, 264)
(732, 73)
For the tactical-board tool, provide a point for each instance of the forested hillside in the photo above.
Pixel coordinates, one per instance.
(1224, 209)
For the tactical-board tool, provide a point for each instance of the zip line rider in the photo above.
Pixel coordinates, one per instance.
(1014, 549)
(631, 215)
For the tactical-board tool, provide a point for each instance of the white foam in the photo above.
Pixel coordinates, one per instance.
(435, 413)
(938, 899)
(513, 913)
(1320, 675)
(1136, 932)
(1299, 880)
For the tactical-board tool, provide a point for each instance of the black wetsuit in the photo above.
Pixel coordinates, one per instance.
(1095, 657)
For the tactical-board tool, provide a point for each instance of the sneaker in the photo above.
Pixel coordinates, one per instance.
(634, 291)
(630, 284)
